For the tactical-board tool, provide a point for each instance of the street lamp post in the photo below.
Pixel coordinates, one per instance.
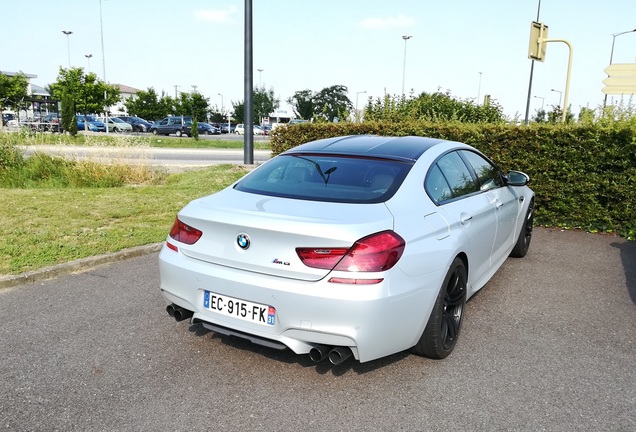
(357, 113)
(560, 95)
(406, 38)
(68, 45)
(479, 90)
(259, 76)
(229, 128)
(88, 56)
(542, 101)
(612, 54)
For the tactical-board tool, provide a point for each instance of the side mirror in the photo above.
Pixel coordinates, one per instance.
(517, 178)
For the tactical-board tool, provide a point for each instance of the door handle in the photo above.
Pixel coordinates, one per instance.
(465, 219)
(499, 205)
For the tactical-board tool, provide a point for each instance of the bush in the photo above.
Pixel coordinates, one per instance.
(9, 157)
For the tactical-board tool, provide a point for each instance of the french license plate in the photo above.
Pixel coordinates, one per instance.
(241, 309)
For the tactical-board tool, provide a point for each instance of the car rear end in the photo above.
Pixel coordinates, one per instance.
(314, 268)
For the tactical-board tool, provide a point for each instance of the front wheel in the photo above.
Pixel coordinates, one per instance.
(442, 330)
(155, 132)
(525, 235)
(178, 133)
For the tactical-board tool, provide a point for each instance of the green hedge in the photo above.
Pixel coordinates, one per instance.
(584, 176)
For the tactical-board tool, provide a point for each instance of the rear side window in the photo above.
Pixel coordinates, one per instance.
(450, 178)
(330, 178)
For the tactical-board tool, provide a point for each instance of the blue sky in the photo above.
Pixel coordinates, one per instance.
(468, 47)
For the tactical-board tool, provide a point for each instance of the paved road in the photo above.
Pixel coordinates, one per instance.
(170, 158)
(549, 344)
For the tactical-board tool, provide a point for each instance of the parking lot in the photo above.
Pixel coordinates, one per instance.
(548, 344)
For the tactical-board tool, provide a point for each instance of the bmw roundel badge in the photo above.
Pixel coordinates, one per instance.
(243, 241)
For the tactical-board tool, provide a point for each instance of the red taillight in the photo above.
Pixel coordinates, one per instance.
(184, 233)
(321, 258)
(375, 253)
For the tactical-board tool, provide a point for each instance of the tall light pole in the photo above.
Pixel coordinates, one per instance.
(560, 95)
(612, 54)
(222, 106)
(479, 90)
(542, 101)
(406, 38)
(357, 113)
(259, 76)
(88, 56)
(527, 119)
(68, 45)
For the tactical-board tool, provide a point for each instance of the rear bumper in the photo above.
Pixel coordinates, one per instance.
(372, 320)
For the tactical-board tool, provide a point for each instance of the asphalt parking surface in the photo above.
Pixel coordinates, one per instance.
(548, 344)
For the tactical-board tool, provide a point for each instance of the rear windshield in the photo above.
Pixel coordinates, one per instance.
(346, 179)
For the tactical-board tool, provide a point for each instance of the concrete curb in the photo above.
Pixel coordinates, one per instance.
(77, 266)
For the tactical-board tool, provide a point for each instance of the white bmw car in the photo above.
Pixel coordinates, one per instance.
(357, 246)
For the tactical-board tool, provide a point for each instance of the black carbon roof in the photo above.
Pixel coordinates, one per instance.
(404, 148)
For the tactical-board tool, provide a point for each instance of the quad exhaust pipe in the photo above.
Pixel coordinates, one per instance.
(178, 313)
(336, 355)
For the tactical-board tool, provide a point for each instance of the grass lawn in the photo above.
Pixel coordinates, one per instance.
(43, 227)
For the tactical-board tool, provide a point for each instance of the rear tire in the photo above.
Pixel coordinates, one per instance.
(444, 324)
(525, 235)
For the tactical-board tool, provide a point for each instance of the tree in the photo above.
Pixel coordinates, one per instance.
(332, 102)
(13, 91)
(89, 94)
(540, 116)
(147, 105)
(69, 124)
(193, 104)
(239, 111)
(265, 102)
(302, 103)
(194, 129)
(556, 115)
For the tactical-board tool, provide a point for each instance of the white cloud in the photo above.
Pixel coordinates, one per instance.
(399, 21)
(217, 16)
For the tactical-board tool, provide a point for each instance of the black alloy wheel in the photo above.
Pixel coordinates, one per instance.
(525, 235)
(443, 328)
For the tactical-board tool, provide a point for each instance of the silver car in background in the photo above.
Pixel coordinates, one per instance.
(358, 246)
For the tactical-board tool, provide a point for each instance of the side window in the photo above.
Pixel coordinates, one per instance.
(457, 175)
(436, 185)
(164, 122)
(487, 174)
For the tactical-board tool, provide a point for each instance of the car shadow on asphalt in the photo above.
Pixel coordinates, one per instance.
(288, 356)
(628, 257)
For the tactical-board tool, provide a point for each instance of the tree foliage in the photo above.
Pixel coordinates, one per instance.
(265, 102)
(332, 103)
(327, 104)
(436, 106)
(88, 92)
(302, 103)
(13, 91)
(68, 115)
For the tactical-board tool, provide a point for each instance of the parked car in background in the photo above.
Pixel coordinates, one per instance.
(227, 128)
(208, 129)
(92, 124)
(240, 130)
(359, 246)
(138, 124)
(178, 125)
(116, 124)
(51, 118)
